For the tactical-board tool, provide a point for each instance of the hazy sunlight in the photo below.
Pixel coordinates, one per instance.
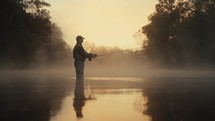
(103, 22)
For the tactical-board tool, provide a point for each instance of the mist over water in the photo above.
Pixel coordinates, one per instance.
(116, 65)
(121, 88)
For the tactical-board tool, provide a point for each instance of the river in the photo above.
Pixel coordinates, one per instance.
(50, 98)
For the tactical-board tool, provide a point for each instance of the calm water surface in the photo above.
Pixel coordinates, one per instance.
(24, 98)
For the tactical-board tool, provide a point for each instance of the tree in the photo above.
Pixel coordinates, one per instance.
(180, 32)
(27, 34)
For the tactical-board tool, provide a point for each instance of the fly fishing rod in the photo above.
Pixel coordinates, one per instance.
(111, 53)
(120, 51)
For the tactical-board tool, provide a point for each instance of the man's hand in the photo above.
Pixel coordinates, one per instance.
(94, 55)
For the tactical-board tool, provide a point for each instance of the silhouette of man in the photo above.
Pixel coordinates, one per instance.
(79, 54)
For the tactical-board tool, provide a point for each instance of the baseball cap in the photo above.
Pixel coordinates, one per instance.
(79, 37)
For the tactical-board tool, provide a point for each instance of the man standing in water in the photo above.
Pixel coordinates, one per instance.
(79, 55)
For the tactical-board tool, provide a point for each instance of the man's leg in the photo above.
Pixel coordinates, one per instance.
(79, 87)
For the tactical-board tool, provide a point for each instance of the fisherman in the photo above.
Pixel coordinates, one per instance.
(79, 55)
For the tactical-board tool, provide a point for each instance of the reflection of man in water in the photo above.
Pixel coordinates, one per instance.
(78, 105)
(79, 54)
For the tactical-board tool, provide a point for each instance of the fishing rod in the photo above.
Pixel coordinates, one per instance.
(120, 51)
(111, 53)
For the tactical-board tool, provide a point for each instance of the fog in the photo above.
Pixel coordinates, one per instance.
(111, 62)
(125, 63)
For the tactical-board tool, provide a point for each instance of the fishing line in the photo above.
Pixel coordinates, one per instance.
(90, 91)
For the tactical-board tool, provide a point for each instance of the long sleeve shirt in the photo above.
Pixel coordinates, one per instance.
(79, 52)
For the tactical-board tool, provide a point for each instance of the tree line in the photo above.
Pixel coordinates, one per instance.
(28, 37)
(181, 33)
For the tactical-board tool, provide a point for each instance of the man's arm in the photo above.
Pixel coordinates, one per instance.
(85, 54)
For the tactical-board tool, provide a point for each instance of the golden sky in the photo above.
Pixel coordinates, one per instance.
(103, 22)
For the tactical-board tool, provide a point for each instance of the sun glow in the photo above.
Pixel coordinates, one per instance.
(103, 22)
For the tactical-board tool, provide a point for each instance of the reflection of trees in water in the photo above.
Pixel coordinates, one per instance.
(181, 100)
(31, 99)
(140, 104)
